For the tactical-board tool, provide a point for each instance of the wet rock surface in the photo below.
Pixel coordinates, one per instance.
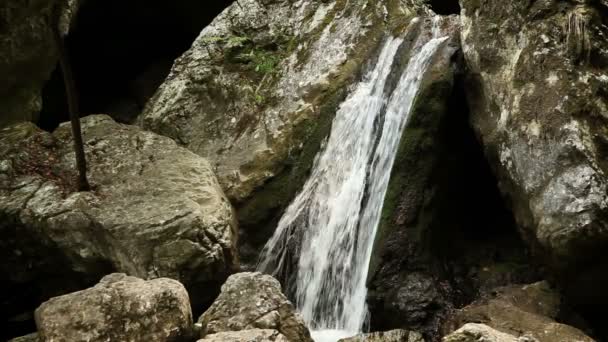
(445, 235)
(257, 92)
(156, 210)
(254, 301)
(525, 311)
(119, 308)
(387, 336)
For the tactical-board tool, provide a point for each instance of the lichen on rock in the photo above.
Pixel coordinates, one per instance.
(254, 301)
(28, 54)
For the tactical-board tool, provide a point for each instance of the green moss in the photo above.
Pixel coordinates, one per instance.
(414, 162)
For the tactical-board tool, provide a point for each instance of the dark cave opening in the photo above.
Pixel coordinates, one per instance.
(444, 7)
(121, 52)
(476, 237)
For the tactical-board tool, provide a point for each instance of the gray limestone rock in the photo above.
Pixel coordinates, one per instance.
(119, 308)
(538, 91)
(473, 332)
(524, 311)
(386, 336)
(254, 301)
(253, 335)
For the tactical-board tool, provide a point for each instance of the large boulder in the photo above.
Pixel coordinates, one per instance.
(538, 90)
(29, 54)
(119, 308)
(386, 336)
(257, 92)
(156, 210)
(253, 335)
(254, 301)
(521, 311)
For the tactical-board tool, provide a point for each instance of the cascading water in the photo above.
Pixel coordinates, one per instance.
(331, 224)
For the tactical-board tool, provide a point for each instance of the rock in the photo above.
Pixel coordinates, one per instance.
(257, 92)
(473, 332)
(386, 336)
(434, 250)
(119, 308)
(413, 299)
(253, 335)
(254, 301)
(29, 54)
(538, 90)
(156, 210)
(27, 338)
(528, 310)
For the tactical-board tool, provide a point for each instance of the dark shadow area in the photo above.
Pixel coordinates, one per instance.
(38, 272)
(450, 237)
(444, 7)
(122, 51)
(475, 235)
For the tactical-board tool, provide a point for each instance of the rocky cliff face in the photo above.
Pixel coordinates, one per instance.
(257, 91)
(538, 94)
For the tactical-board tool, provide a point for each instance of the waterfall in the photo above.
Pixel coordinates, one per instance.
(328, 231)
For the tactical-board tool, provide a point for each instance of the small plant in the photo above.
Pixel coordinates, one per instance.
(212, 39)
(239, 51)
(259, 99)
(264, 62)
(237, 41)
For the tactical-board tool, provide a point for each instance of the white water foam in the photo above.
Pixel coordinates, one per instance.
(331, 224)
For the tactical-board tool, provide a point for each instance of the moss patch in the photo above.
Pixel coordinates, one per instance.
(417, 155)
